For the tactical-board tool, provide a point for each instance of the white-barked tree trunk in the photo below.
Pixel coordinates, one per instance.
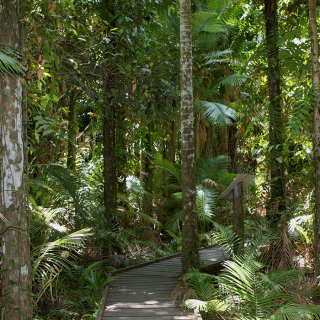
(190, 251)
(15, 244)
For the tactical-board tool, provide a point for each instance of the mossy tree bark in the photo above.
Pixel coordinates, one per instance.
(190, 250)
(232, 146)
(72, 132)
(109, 142)
(276, 128)
(316, 133)
(109, 157)
(15, 244)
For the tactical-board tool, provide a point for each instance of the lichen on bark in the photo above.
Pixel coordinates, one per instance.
(15, 244)
(190, 254)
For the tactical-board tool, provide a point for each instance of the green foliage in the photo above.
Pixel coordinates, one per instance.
(88, 287)
(175, 245)
(72, 45)
(213, 112)
(8, 65)
(51, 258)
(241, 291)
(208, 171)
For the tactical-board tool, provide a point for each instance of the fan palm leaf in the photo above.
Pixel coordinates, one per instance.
(231, 80)
(215, 113)
(10, 66)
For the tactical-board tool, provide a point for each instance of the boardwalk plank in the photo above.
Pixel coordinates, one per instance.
(184, 317)
(145, 305)
(173, 311)
(143, 293)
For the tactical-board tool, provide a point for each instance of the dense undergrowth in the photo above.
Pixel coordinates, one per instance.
(68, 230)
(248, 289)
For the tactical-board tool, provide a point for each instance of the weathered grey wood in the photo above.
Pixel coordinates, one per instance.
(186, 317)
(130, 298)
(144, 292)
(145, 305)
(152, 313)
(104, 300)
(148, 278)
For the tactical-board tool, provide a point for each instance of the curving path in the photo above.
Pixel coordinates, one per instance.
(144, 291)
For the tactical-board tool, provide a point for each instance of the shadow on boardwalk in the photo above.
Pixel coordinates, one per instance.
(144, 291)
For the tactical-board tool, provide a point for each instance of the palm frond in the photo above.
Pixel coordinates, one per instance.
(226, 238)
(173, 169)
(49, 259)
(215, 113)
(217, 54)
(202, 284)
(231, 80)
(173, 222)
(279, 255)
(144, 217)
(10, 66)
(212, 306)
(210, 168)
(296, 312)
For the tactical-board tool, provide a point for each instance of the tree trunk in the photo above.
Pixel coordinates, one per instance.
(190, 250)
(238, 216)
(72, 132)
(15, 245)
(232, 148)
(171, 142)
(223, 141)
(109, 157)
(316, 126)
(208, 150)
(147, 207)
(276, 128)
(121, 150)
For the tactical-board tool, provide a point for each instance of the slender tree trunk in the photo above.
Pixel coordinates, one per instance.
(232, 149)
(190, 249)
(208, 149)
(223, 141)
(316, 126)
(109, 157)
(147, 207)
(238, 216)
(276, 128)
(171, 142)
(72, 132)
(15, 244)
(121, 150)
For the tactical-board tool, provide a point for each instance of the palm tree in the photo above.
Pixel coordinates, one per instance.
(190, 252)
(276, 128)
(211, 174)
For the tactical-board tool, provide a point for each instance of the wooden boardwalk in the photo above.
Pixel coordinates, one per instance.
(144, 291)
